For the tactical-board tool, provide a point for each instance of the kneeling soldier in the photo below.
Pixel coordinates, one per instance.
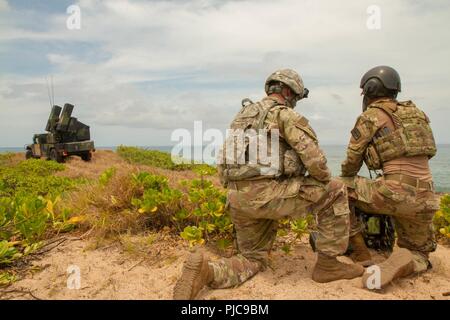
(394, 137)
(259, 196)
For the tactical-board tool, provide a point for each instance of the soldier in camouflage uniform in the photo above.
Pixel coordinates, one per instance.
(259, 197)
(396, 138)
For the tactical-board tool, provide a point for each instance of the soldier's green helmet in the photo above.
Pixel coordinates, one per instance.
(291, 79)
(381, 81)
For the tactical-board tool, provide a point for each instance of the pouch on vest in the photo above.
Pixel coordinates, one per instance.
(293, 166)
(412, 135)
(252, 117)
(371, 158)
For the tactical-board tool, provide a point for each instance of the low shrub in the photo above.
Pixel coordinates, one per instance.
(160, 159)
(442, 218)
(132, 201)
(29, 192)
(34, 177)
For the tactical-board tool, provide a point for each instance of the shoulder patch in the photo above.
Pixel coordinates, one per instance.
(303, 124)
(356, 134)
(302, 121)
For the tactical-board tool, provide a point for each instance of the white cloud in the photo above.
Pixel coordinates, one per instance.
(4, 6)
(167, 63)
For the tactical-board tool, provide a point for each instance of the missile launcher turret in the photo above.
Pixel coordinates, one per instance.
(66, 136)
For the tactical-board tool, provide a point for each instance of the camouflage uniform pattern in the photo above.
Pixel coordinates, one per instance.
(232, 272)
(257, 205)
(411, 207)
(288, 77)
(413, 136)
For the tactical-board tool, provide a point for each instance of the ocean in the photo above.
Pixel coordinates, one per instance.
(440, 164)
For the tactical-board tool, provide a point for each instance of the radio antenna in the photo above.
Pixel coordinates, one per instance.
(53, 92)
(48, 91)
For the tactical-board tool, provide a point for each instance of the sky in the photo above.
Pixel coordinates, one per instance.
(137, 70)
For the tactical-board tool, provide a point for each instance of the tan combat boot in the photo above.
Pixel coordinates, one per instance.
(195, 275)
(329, 269)
(399, 264)
(360, 254)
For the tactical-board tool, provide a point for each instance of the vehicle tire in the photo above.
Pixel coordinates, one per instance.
(87, 156)
(55, 156)
(28, 154)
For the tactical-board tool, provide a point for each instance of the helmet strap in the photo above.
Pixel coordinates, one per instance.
(365, 103)
(290, 101)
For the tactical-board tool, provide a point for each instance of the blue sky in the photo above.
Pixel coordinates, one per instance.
(137, 70)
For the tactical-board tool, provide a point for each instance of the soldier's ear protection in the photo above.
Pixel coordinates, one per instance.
(374, 88)
(305, 93)
(277, 87)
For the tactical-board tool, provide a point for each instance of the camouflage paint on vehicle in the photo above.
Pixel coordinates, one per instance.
(66, 136)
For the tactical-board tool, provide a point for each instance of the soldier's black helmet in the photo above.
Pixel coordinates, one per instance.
(381, 81)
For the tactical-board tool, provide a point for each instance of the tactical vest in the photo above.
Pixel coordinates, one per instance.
(252, 117)
(412, 135)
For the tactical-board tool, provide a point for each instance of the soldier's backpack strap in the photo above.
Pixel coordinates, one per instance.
(246, 102)
(389, 108)
(407, 103)
(264, 115)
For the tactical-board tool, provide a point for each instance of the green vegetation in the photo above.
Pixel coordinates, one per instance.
(150, 158)
(205, 208)
(6, 278)
(29, 192)
(130, 202)
(298, 227)
(33, 178)
(5, 158)
(160, 159)
(442, 218)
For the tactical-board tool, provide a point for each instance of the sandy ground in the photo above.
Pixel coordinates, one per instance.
(112, 273)
(147, 266)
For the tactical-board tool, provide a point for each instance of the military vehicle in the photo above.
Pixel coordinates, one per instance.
(66, 137)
